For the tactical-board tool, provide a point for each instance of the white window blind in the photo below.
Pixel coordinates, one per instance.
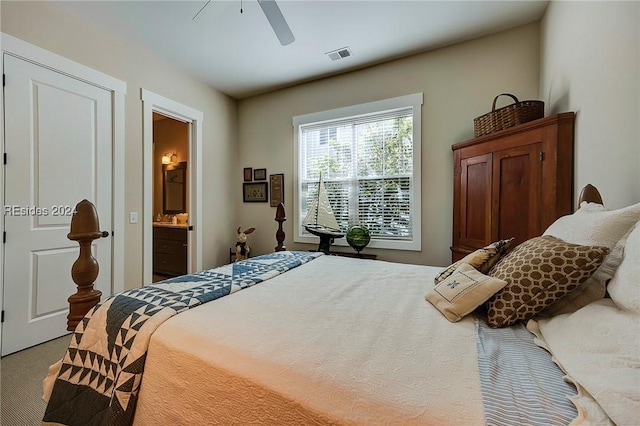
(368, 166)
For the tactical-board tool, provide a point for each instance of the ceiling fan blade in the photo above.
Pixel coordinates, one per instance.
(201, 9)
(277, 21)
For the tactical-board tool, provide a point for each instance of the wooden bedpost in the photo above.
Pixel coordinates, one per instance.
(281, 216)
(84, 229)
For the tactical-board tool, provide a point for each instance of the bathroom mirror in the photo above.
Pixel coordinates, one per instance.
(174, 190)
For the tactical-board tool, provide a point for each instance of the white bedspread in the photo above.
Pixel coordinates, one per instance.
(310, 347)
(598, 347)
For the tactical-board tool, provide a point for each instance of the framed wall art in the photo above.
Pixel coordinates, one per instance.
(276, 188)
(248, 174)
(255, 192)
(260, 174)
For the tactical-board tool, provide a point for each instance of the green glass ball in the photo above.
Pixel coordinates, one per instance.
(358, 237)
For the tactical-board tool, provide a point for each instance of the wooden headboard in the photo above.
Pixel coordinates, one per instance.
(590, 194)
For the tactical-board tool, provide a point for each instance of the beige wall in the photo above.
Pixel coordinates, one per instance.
(590, 63)
(51, 28)
(458, 82)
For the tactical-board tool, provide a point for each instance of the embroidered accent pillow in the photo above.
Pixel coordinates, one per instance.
(593, 225)
(462, 292)
(482, 259)
(538, 272)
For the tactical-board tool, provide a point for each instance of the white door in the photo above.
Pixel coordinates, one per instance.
(58, 142)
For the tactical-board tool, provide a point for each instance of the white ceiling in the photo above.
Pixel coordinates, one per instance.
(239, 54)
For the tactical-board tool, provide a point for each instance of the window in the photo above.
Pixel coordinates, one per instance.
(369, 157)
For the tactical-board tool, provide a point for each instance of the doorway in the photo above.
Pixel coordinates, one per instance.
(167, 119)
(170, 196)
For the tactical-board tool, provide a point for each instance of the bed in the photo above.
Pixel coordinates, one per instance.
(309, 339)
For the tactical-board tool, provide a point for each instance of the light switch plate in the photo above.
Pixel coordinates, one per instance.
(133, 217)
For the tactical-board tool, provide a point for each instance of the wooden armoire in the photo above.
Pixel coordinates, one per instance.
(512, 183)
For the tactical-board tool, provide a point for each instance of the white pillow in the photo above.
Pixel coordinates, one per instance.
(598, 347)
(624, 287)
(593, 225)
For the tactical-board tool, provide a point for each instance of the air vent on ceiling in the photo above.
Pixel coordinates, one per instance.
(341, 53)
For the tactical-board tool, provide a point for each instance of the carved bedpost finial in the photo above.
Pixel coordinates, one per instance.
(590, 194)
(84, 229)
(280, 217)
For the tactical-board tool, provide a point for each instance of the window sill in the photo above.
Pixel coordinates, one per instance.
(374, 244)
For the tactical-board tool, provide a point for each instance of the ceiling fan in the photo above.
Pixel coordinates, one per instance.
(274, 16)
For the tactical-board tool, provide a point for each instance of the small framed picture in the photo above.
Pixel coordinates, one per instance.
(276, 188)
(255, 192)
(248, 173)
(260, 174)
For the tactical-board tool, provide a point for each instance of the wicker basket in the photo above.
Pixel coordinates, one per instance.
(508, 116)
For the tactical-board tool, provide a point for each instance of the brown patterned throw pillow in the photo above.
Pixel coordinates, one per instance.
(482, 259)
(539, 272)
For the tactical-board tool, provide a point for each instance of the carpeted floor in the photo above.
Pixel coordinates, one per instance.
(21, 376)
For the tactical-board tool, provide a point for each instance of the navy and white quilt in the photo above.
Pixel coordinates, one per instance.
(101, 372)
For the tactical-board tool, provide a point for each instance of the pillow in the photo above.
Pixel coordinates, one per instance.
(624, 287)
(598, 347)
(463, 291)
(590, 225)
(482, 259)
(538, 272)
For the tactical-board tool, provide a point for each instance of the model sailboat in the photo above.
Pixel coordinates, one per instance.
(321, 221)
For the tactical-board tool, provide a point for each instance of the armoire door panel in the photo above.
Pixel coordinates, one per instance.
(516, 182)
(475, 212)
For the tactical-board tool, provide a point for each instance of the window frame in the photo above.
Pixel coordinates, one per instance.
(413, 101)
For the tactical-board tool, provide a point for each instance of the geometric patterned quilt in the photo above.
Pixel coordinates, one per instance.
(101, 372)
